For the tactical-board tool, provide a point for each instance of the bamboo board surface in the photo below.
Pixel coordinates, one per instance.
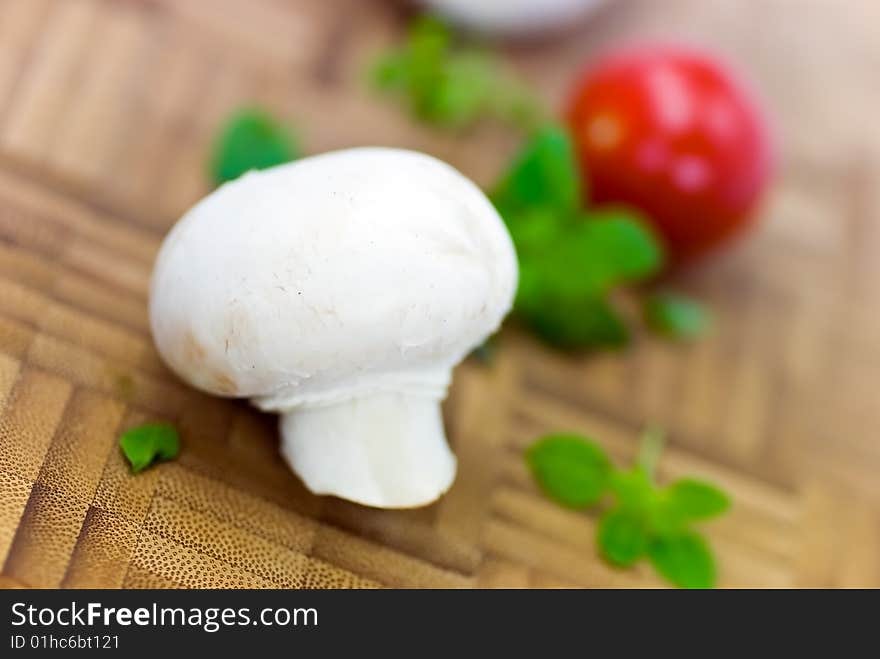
(106, 111)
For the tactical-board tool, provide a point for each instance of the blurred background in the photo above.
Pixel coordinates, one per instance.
(108, 110)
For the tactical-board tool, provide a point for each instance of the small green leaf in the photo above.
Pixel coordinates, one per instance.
(685, 559)
(688, 499)
(675, 316)
(535, 231)
(581, 259)
(250, 139)
(391, 71)
(622, 537)
(450, 85)
(633, 488)
(570, 469)
(623, 247)
(459, 96)
(566, 272)
(515, 104)
(543, 175)
(145, 444)
(589, 322)
(428, 40)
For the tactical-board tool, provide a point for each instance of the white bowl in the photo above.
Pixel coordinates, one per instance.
(512, 17)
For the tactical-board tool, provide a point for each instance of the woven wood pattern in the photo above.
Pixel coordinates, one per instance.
(106, 110)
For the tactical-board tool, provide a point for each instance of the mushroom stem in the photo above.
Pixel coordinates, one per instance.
(386, 450)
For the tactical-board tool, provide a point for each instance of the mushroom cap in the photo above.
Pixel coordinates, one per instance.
(350, 273)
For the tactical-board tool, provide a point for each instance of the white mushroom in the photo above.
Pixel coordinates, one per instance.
(515, 17)
(339, 291)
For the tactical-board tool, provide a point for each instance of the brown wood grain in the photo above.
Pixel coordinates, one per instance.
(107, 108)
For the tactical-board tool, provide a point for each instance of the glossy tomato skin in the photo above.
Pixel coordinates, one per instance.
(673, 132)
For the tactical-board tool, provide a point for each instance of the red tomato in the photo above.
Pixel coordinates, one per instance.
(674, 133)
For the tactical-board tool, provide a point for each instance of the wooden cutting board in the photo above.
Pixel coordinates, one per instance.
(106, 111)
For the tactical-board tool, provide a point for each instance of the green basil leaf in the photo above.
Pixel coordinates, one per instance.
(429, 37)
(675, 316)
(515, 104)
(622, 537)
(415, 69)
(450, 85)
(583, 259)
(621, 244)
(571, 469)
(250, 139)
(391, 72)
(148, 443)
(461, 92)
(689, 499)
(588, 322)
(685, 559)
(633, 488)
(543, 175)
(535, 232)
(567, 271)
